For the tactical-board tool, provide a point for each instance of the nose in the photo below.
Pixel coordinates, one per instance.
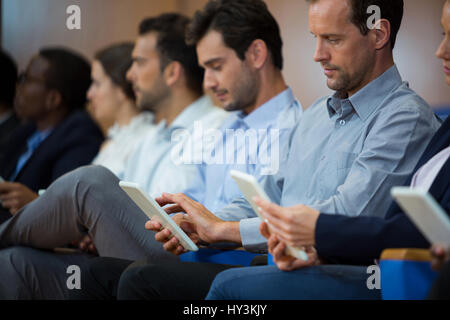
(90, 93)
(443, 51)
(130, 73)
(210, 80)
(321, 54)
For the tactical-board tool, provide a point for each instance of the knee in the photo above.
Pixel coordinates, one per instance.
(86, 177)
(91, 175)
(220, 285)
(132, 285)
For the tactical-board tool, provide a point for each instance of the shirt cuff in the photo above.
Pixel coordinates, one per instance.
(252, 240)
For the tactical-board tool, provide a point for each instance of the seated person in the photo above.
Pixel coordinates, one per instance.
(380, 108)
(8, 79)
(339, 245)
(59, 135)
(111, 95)
(346, 153)
(111, 218)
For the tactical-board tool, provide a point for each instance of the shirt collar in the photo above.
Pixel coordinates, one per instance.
(269, 111)
(192, 113)
(369, 98)
(38, 136)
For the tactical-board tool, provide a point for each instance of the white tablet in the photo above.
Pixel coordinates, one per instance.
(250, 187)
(152, 209)
(425, 212)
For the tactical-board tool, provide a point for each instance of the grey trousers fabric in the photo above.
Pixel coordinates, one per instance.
(34, 274)
(87, 200)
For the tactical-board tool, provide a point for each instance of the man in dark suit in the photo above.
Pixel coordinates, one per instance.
(59, 137)
(8, 79)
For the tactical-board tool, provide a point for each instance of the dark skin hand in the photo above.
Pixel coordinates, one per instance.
(14, 196)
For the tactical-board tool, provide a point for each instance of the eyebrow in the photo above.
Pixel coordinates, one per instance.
(328, 35)
(137, 59)
(213, 60)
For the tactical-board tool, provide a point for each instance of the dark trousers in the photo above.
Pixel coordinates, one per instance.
(441, 287)
(110, 278)
(4, 214)
(100, 279)
(168, 281)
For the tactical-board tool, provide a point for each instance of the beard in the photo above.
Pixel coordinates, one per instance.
(346, 81)
(151, 100)
(244, 91)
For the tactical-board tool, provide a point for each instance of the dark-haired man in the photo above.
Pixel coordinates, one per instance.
(347, 152)
(340, 248)
(59, 136)
(8, 80)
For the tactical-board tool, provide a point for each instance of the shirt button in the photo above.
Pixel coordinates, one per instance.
(343, 122)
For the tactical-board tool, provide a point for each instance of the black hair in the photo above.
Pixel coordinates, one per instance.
(69, 74)
(391, 10)
(8, 79)
(171, 45)
(240, 22)
(116, 60)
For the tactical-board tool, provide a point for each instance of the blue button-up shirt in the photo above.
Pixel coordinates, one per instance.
(271, 126)
(346, 154)
(151, 165)
(33, 142)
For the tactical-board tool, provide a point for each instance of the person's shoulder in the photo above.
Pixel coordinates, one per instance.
(213, 116)
(404, 96)
(404, 100)
(317, 107)
(79, 124)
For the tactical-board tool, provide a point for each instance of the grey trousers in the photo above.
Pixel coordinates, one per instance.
(88, 200)
(31, 274)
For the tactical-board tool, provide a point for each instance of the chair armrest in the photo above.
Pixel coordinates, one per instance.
(422, 255)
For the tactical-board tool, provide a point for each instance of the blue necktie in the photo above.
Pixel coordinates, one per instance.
(33, 143)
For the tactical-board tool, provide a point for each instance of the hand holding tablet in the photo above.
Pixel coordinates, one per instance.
(154, 212)
(426, 213)
(251, 189)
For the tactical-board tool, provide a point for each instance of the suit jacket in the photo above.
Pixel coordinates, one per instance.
(361, 240)
(73, 143)
(6, 129)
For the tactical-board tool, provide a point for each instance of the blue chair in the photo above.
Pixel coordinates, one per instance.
(406, 274)
(230, 257)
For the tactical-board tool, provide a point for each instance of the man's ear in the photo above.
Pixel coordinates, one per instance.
(257, 54)
(172, 73)
(53, 100)
(382, 33)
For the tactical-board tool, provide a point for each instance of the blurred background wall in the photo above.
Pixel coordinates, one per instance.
(27, 25)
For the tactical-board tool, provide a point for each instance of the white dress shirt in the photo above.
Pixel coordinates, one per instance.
(121, 142)
(152, 166)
